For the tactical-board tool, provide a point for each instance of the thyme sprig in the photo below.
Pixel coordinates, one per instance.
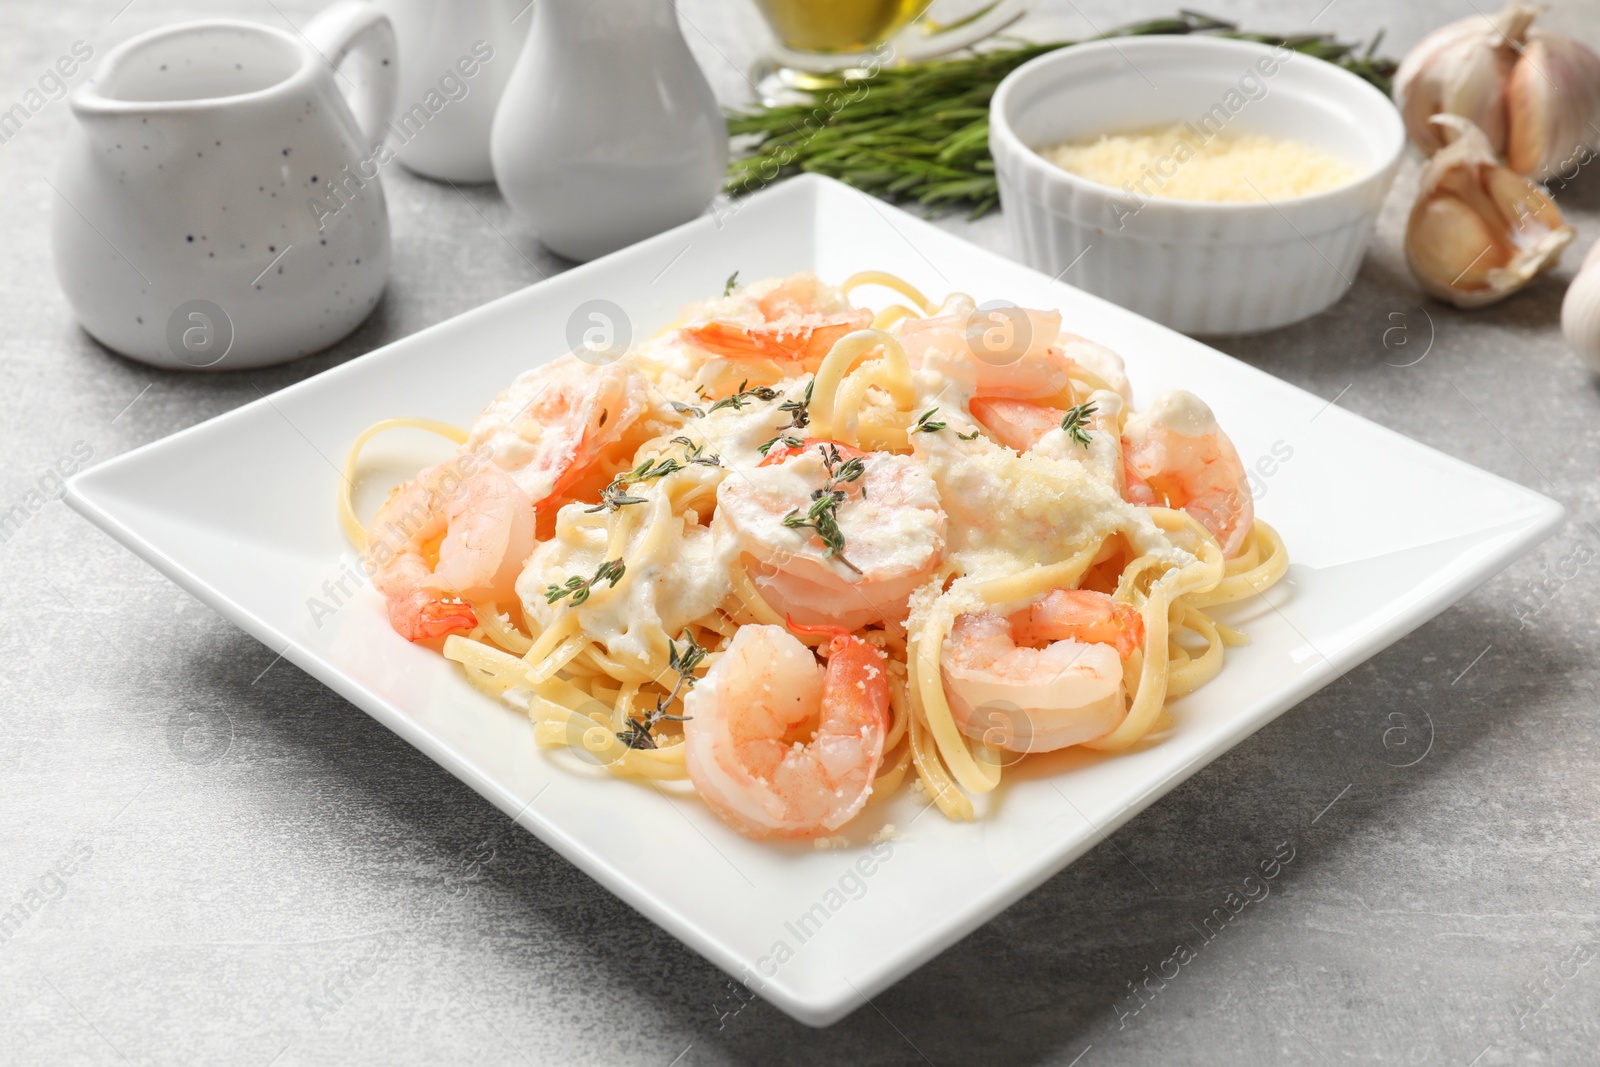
(920, 131)
(638, 733)
(787, 442)
(1075, 421)
(687, 409)
(822, 516)
(695, 453)
(737, 400)
(578, 587)
(926, 423)
(615, 495)
(799, 412)
(731, 284)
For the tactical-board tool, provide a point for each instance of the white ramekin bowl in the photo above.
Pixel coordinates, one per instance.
(1198, 267)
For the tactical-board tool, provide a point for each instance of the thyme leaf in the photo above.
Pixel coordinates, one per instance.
(616, 495)
(799, 411)
(578, 587)
(638, 733)
(788, 442)
(731, 285)
(822, 516)
(1074, 423)
(973, 436)
(737, 400)
(685, 409)
(695, 453)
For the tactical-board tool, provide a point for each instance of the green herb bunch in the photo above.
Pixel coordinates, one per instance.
(920, 131)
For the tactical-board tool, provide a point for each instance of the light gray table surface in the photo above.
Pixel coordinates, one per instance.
(309, 894)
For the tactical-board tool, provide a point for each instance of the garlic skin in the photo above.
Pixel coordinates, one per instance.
(1479, 231)
(1580, 311)
(1462, 69)
(1552, 104)
(1534, 94)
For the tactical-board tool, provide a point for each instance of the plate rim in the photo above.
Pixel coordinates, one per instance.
(1514, 538)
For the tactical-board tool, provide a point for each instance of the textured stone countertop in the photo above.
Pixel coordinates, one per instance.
(1436, 913)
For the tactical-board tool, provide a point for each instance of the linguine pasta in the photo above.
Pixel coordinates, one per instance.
(802, 554)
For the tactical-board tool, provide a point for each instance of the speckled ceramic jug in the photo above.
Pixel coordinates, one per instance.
(218, 205)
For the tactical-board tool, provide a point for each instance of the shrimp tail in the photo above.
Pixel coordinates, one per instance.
(421, 618)
(799, 629)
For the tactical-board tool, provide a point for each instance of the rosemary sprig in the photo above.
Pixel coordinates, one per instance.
(920, 131)
(925, 423)
(737, 400)
(822, 515)
(1074, 422)
(578, 587)
(638, 733)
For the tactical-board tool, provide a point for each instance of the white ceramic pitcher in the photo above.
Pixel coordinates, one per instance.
(218, 204)
(608, 132)
(458, 54)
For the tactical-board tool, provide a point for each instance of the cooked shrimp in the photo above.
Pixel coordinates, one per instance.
(1037, 699)
(855, 562)
(555, 421)
(780, 453)
(1026, 424)
(483, 525)
(1177, 454)
(1081, 615)
(800, 294)
(779, 747)
(797, 319)
(1007, 352)
(797, 338)
(1100, 361)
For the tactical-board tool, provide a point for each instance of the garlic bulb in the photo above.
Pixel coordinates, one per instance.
(1580, 310)
(1533, 93)
(1552, 105)
(1479, 231)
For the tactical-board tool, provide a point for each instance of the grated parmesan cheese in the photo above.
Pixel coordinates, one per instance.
(1184, 162)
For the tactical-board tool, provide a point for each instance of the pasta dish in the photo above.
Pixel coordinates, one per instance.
(803, 554)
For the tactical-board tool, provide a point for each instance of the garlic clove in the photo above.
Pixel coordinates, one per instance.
(1447, 240)
(1462, 69)
(1580, 313)
(1552, 104)
(1478, 231)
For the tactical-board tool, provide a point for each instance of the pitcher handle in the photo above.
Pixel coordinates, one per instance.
(924, 39)
(358, 40)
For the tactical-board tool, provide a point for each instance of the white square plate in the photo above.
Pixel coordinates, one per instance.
(1383, 534)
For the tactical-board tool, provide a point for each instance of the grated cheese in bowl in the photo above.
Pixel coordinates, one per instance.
(1182, 162)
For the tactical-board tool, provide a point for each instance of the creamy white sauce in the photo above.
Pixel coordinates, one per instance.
(984, 508)
(1101, 361)
(1177, 410)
